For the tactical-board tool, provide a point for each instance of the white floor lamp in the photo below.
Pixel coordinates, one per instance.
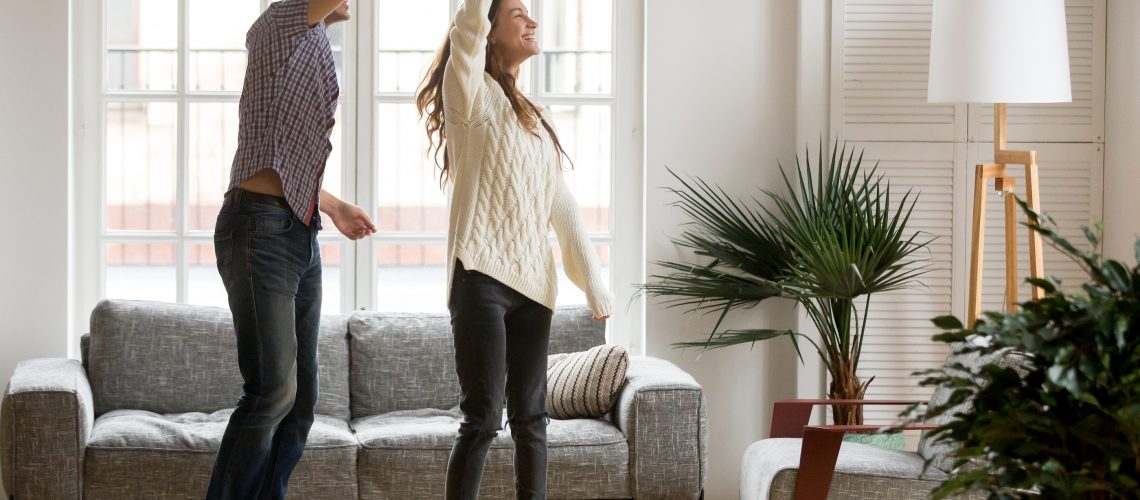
(1000, 52)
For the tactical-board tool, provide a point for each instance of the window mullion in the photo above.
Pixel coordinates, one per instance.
(182, 179)
(360, 295)
(539, 68)
(99, 289)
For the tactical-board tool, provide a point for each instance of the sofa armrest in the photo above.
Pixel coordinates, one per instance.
(661, 410)
(45, 421)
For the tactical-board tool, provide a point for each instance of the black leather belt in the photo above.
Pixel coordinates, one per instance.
(236, 196)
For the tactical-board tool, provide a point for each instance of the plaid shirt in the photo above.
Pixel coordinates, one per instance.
(287, 105)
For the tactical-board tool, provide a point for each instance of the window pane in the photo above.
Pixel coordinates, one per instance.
(584, 132)
(213, 140)
(331, 262)
(217, 31)
(141, 165)
(411, 278)
(407, 36)
(577, 40)
(336, 40)
(141, 271)
(526, 72)
(204, 283)
(407, 180)
(568, 292)
(142, 43)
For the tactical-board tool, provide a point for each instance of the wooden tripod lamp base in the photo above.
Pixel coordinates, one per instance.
(1004, 184)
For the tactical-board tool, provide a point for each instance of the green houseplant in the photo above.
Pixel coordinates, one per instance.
(835, 239)
(1066, 422)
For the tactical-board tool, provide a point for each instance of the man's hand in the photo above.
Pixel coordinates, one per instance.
(351, 220)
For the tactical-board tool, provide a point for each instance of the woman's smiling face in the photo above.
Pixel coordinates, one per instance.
(513, 35)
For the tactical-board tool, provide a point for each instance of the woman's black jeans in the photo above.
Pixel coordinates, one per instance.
(501, 340)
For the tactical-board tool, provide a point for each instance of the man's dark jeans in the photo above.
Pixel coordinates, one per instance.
(270, 263)
(501, 339)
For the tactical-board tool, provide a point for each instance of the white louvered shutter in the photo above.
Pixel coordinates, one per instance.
(898, 326)
(880, 54)
(880, 60)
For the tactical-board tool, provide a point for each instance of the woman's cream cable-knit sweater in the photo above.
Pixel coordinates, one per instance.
(507, 188)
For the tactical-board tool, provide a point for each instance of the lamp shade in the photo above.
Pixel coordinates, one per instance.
(999, 51)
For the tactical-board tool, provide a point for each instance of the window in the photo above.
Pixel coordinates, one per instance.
(163, 113)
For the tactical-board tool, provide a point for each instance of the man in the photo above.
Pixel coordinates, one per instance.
(266, 243)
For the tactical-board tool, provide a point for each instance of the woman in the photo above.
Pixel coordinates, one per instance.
(504, 162)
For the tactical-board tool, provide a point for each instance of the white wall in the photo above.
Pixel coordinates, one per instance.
(720, 103)
(33, 183)
(1122, 130)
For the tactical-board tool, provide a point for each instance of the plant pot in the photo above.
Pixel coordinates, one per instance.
(890, 441)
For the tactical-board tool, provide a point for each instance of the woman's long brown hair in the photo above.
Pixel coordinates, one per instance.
(429, 102)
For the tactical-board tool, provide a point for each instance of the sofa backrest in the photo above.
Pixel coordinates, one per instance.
(406, 361)
(172, 358)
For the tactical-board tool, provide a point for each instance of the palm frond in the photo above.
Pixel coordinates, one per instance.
(838, 235)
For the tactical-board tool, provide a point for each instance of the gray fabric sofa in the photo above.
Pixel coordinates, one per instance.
(142, 415)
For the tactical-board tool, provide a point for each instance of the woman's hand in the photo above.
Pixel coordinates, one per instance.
(602, 318)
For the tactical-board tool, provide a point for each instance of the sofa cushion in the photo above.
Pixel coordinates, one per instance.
(171, 358)
(585, 384)
(574, 329)
(407, 361)
(588, 458)
(140, 454)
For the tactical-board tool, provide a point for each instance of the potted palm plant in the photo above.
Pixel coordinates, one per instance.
(836, 238)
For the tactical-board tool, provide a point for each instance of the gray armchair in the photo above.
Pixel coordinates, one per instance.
(810, 462)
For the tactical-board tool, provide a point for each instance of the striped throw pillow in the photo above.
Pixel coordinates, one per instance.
(585, 384)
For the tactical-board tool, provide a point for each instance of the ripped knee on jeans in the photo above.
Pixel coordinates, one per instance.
(474, 430)
(527, 421)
